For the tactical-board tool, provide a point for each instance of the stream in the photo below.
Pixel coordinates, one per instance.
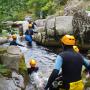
(45, 61)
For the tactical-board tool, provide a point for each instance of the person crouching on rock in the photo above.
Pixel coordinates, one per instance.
(33, 67)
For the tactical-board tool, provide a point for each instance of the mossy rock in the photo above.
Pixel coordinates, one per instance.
(3, 50)
(22, 66)
(5, 71)
(23, 70)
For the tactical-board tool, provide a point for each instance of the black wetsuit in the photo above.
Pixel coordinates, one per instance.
(15, 43)
(32, 69)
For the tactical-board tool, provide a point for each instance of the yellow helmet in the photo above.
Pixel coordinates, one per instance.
(68, 40)
(32, 63)
(14, 36)
(76, 48)
(30, 25)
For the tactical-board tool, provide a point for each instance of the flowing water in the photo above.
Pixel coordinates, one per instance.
(45, 61)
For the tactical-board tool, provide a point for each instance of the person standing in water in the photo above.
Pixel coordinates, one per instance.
(71, 63)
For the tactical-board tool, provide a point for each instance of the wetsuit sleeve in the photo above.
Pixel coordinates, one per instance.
(58, 63)
(18, 44)
(86, 63)
(54, 74)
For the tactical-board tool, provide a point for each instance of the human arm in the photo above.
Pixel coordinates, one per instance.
(19, 44)
(54, 74)
(86, 63)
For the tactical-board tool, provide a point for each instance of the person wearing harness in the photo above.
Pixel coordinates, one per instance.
(71, 63)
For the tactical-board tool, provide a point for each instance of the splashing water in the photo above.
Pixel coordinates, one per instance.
(45, 62)
(37, 81)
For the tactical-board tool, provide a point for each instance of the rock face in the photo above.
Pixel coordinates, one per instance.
(73, 5)
(40, 25)
(8, 84)
(50, 26)
(81, 28)
(11, 59)
(3, 40)
(12, 67)
(54, 26)
(14, 83)
(64, 25)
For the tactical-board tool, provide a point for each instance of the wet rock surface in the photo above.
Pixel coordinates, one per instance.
(8, 84)
(12, 68)
(3, 40)
(12, 57)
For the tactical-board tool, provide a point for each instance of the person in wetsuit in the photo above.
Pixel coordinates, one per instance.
(28, 35)
(14, 42)
(33, 67)
(71, 63)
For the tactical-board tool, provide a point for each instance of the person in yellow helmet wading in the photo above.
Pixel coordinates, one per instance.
(33, 67)
(71, 63)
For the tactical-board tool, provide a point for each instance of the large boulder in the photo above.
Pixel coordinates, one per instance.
(74, 5)
(8, 84)
(59, 25)
(40, 23)
(50, 26)
(81, 28)
(3, 40)
(55, 27)
(64, 25)
(11, 59)
(12, 62)
(3, 50)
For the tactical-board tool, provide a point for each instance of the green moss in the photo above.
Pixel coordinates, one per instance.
(23, 70)
(3, 50)
(88, 8)
(22, 66)
(5, 71)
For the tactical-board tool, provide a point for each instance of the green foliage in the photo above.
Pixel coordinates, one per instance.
(9, 8)
(49, 8)
(88, 8)
(22, 66)
(36, 5)
(18, 9)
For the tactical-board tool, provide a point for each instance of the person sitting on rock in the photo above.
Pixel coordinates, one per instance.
(33, 67)
(14, 42)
